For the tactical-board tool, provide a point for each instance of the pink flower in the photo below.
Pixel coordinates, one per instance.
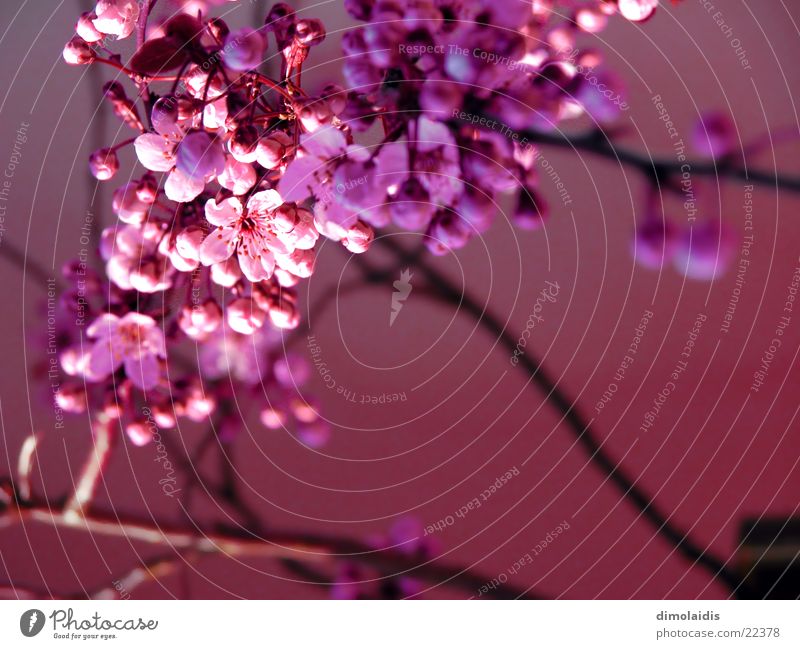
(266, 229)
(134, 341)
(714, 135)
(228, 353)
(705, 251)
(190, 162)
(116, 17)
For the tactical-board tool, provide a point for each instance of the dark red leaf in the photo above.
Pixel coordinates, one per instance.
(184, 29)
(158, 55)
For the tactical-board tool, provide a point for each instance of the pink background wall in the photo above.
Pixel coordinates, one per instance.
(717, 453)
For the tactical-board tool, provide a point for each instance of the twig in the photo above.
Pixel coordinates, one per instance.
(598, 143)
(308, 548)
(92, 471)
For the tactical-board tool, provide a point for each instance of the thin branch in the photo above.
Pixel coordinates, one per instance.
(308, 548)
(92, 471)
(598, 143)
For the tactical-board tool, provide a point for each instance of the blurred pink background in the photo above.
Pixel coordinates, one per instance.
(718, 452)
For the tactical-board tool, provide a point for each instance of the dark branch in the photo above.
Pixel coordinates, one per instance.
(578, 425)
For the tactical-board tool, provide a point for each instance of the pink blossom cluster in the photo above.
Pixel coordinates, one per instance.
(243, 174)
(435, 72)
(205, 254)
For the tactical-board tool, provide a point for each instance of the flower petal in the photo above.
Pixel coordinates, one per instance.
(217, 246)
(103, 361)
(103, 327)
(326, 142)
(144, 372)
(299, 180)
(181, 188)
(252, 267)
(154, 152)
(225, 213)
(264, 202)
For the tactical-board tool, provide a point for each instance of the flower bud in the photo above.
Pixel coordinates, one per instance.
(198, 321)
(705, 251)
(244, 316)
(218, 28)
(272, 149)
(188, 242)
(103, 164)
(309, 32)
(114, 91)
(164, 115)
(284, 315)
(447, 232)
(147, 189)
(304, 411)
(111, 408)
(654, 242)
(243, 142)
(358, 238)
(336, 96)
(284, 218)
(198, 405)
(226, 273)
(291, 370)
(280, 20)
(78, 52)
(127, 206)
(298, 262)
(163, 415)
(411, 208)
(86, 29)
(637, 10)
(315, 434)
(150, 276)
(359, 9)
(273, 418)
(714, 135)
(117, 17)
(71, 398)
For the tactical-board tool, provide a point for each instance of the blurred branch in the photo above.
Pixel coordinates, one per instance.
(597, 143)
(578, 425)
(307, 548)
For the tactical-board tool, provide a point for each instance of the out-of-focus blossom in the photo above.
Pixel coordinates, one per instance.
(134, 341)
(714, 135)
